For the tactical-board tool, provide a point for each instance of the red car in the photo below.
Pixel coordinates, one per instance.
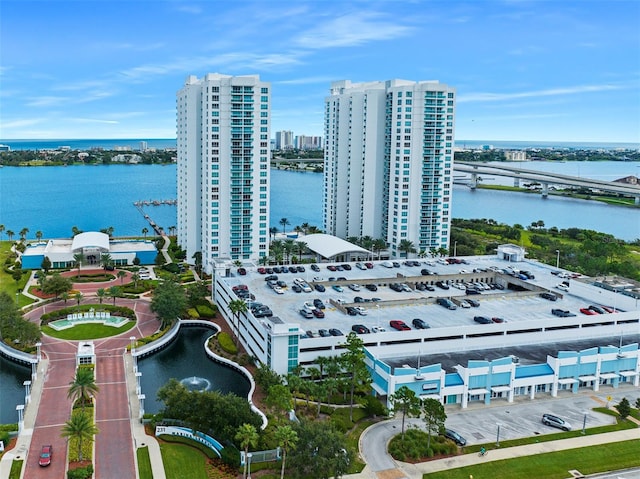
(369, 265)
(242, 271)
(45, 455)
(399, 325)
(588, 311)
(318, 313)
(331, 267)
(262, 270)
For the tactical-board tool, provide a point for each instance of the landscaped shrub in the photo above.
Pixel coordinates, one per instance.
(414, 446)
(172, 268)
(226, 343)
(193, 313)
(114, 310)
(230, 456)
(205, 311)
(81, 472)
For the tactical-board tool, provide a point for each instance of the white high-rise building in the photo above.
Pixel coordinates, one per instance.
(284, 140)
(223, 167)
(388, 165)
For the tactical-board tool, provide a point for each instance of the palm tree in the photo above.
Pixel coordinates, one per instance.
(135, 277)
(78, 259)
(78, 297)
(83, 386)
(114, 292)
(284, 222)
(64, 296)
(237, 307)
(172, 230)
(247, 436)
(101, 293)
(23, 233)
(121, 274)
(276, 249)
(10, 234)
(38, 235)
(273, 231)
(289, 247)
(105, 260)
(287, 439)
(302, 248)
(305, 227)
(79, 427)
(1, 231)
(378, 245)
(407, 247)
(144, 232)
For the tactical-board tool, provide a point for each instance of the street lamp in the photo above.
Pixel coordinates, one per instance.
(557, 258)
(584, 422)
(249, 456)
(498, 435)
(455, 248)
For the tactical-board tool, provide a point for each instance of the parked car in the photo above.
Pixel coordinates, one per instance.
(300, 269)
(296, 288)
(46, 453)
(318, 313)
(331, 267)
(360, 266)
(360, 329)
(310, 334)
(278, 290)
(442, 285)
(562, 313)
(315, 267)
(464, 304)
(346, 267)
(482, 320)
(446, 303)
(369, 265)
(378, 329)
(386, 264)
(371, 287)
(271, 277)
(335, 332)
(351, 311)
(588, 311)
(549, 296)
(562, 286)
(496, 319)
(597, 309)
(354, 286)
(361, 311)
(473, 303)
(242, 271)
(319, 287)
(399, 325)
(420, 324)
(305, 313)
(555, 421)
(318, 304)
(337, 288)
(358, 299)
(455, 437)
(323, 333)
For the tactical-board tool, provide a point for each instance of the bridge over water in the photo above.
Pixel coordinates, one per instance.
(545, 179)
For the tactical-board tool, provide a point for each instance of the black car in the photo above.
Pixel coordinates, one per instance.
(482, 320)
(455, 437)
(293, 269)
(319, 304)
(397, 287)
(358, 299)
(315, 267)
(562, 313)
(351, 311)
(446, 303)
(319, 287)
(263, 312)
(277, 269)
(473, 303)
(296, 288)
(271, 277)
(442, 285)
(371, 287)
(335, 332)
(347, 267)
(420, 324)
(549, 296)
(323, 333)
(421, 287)
(310, 334)
(360, 329)
(395, 264)
(597, 309)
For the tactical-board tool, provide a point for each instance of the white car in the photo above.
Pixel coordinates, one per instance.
(354, 287)
(278, 290)
(378, 329)
(308, 306)
(361, 266)
(387, 264)
(563, 287)
(464, 304)
(361, 311)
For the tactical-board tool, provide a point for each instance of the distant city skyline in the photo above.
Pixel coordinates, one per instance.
(524, 71)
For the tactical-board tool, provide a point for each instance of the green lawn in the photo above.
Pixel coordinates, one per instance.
(16, 469)
(144, 463)
(183, 462)
(87, 331)
(554, 465)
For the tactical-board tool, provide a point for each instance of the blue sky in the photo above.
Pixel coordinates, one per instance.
(524, 70)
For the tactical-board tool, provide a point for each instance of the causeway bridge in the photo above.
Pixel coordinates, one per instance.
(545, 179)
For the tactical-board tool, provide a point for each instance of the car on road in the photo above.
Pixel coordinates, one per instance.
(335, 332)
(46, 453)
(482, 320)
(360, 329)
(562, 313)
(562, 286)
(555, 421)
(420, 324)
(549, 296)
(399, 325)
(455, 437)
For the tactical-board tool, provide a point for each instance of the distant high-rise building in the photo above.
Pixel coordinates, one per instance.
(389, 162)
(223, 167)
(284, 140)
(304, 142)
(144, 146)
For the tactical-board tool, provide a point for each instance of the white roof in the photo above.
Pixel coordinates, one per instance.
(94, 238)
(329, 246)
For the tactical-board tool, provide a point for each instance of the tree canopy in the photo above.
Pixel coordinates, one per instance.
(169, 301)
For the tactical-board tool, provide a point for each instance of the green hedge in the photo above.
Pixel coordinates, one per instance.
(81, 472)
(226, 343)
(206, 311)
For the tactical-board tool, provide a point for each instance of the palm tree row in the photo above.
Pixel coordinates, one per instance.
(81, 426)
(281, 251)
(22, 233)
(304, 228)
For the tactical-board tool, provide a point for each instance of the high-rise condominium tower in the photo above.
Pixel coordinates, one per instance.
(223, 167)
(389, 162)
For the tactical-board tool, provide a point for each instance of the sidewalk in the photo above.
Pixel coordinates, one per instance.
(19, 452)
(140, 437)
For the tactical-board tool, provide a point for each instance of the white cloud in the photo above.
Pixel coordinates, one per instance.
(46, 101)
(306, 81)
(94, 120)
(20, 123)
(353, 29)
(480, 97)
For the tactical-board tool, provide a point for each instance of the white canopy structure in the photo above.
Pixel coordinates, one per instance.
(92, 240)
(329, 246)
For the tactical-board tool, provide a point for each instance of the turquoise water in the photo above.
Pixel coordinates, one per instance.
(54, 199)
